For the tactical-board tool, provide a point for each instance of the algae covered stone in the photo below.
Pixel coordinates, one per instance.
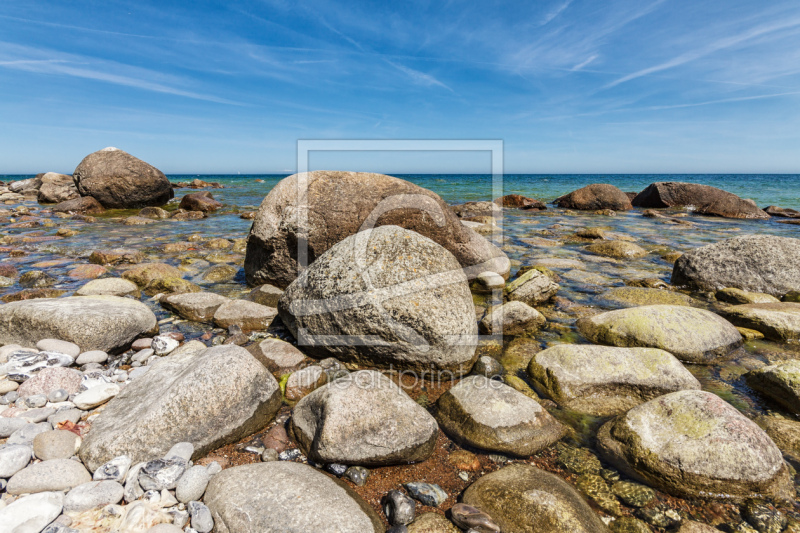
(638, 296)
(781, 382)
(690, 334)
(602, 380)
(693, 444)
(617, 249)
(492, 416)
(778, 321)
(525, 499)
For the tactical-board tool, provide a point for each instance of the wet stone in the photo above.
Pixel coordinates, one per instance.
(633, 494)
(468, 517)
(763, 516)
(427, 493)
(628, 524)
(659, 517)
(578, 460)
(357, 474)
(398, 508)
(596, 488)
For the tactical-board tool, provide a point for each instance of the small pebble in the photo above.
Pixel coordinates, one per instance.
(92, 356)
(114, 470)
(54, 345)
(398, 508)
(468, 517)
(269, 454)
(427, 493)
(336, 469)
(290, 455)
(163, 344)
(357, 474)
(201, 517)
(181, 450)
(213, 468)
(58, 395)
(37, 400)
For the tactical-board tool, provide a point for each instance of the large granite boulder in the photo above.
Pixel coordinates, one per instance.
(690, 334)
(209, 397)
(758, 263)
(780, 382)
(778, 321)
(492, 416)
(119, 180)
(525, 499)
(595, 197)
(602, 380)
(336, 205)
(107, 323)
(693, 444)
(704, 200)
(384, 297)
(287, 497)
(56, 188)
(363, 419)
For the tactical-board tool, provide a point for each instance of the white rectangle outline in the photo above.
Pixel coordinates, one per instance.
(305, 146)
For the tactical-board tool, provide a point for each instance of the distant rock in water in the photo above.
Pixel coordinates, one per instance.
(757, 263)
(595, 197)
(339, 204)
(199, 201)
(56, 188)
(776, 211)
(705, 200)
(119, 180)
(521, 202)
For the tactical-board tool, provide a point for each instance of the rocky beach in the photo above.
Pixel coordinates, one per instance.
(355, 352)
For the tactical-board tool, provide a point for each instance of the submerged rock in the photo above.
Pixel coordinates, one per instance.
(105, 323)
(363, 419)
(492, 416)
(702, 199)
(210, 399)
(693, 444)
(337, 205)
(603, 381)
(617, 249)
(690, 334)
(759, 263)
(118, 180)
(395, 297)
(286, 496)
(595, 197)
(524, 499)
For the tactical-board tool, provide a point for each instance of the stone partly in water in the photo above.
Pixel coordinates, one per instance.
(363, 419)
(780, 382)
(286, 496)
(524, 499)
(533, 288)
(779, 321)
(395, 297)
(107, 323)
(638, 296)
(492, 416)
(703, 200)
(85, 205)
(109, 287)
(209, 399)
(200, 201)
(595, 197)
(511, 319)
(337, 205)
(693, 444)
(758, 263)
(690, 334)
(117, 179)
(603, 381)
(617, 249)
(735, 296)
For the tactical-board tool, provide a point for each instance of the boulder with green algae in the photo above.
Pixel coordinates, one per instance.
(633, 494)
(617, 249)
(785, 433)
(170, 285)
(602, 380)
(220, 273)
(778, 321)
(780, 382)
(525, 499)
(638, 296)
(733, 295)
(595, 487)
(533, 287)
(693, 444)
(492, 416)
(690, 334)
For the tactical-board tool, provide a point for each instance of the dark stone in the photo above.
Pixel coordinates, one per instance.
(781, 212)
(398, 508)
(705, 200)
(521, 202)
(199, 201)
(468, 517)
(594, 197)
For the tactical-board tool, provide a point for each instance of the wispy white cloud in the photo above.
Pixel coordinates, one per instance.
(556, 11)
(584, 63)
(419, 77)
(711, 48)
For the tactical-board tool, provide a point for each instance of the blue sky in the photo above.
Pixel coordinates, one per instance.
(570, 86)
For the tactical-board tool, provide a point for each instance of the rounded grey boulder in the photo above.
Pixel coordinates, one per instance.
(119, 180)
(693, 444)
(208, 398)
(492, 416)
(384, 297)
(336, 205)
(757, 263)
(107, 323)
(363, 419)
(281, 496)
(603, 380)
